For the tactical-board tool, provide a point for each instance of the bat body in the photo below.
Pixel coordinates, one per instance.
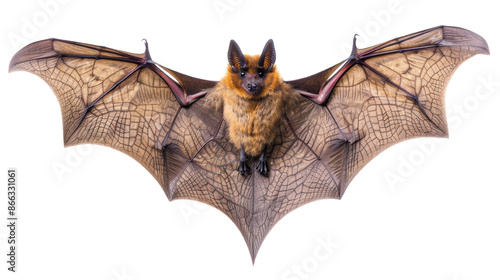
(253, 97)
(306, 138)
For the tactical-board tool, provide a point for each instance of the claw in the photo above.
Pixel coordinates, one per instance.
(354, 51)
(244, 168)
(262, 167)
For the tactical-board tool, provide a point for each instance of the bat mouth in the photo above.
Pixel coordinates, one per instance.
(253, 88)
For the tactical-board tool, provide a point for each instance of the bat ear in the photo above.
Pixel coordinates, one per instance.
(235, 57)
(268, 56)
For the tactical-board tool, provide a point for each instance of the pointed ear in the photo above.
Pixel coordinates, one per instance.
(235, 57)
(268, 56)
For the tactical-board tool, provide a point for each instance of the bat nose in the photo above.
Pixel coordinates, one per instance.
(252, 87)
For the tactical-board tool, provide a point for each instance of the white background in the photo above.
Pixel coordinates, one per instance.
(94, 213)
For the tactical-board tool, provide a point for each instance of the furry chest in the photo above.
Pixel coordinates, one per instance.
(252, 118)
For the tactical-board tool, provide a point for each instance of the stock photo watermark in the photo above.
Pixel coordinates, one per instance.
(74, 157)
(324, 249)
(121, 275)
(12, 222)
(222, 7)
(379, 19)
(31, 25)
(190, 209)
(426, 147)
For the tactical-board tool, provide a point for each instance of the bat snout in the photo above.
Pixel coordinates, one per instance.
(252, 87)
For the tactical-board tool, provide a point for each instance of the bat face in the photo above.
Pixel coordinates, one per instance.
(252, 75)
(252, 79)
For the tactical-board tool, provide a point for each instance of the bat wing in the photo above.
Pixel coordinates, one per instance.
(113, 98)
(382, 95)
(351, 112)
(129, 103)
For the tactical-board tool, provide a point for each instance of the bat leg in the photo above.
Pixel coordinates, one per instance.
(262, 166)
(243, 168)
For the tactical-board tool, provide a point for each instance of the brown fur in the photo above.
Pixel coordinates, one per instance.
(252, 119)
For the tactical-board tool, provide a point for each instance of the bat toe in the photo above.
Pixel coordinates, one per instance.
(262, 167)
(244, 169)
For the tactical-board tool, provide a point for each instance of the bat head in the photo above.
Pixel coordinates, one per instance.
(252, 76)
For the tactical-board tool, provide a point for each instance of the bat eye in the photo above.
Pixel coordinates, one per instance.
(261, 74)
(242, 74)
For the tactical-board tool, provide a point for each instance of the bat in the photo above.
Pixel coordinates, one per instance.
(253, 145)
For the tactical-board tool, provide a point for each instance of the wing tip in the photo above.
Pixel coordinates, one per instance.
(36, 50)
(253, 255)
(465, 37)
(254, 246)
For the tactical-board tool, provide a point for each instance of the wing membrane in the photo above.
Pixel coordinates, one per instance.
(386, 94)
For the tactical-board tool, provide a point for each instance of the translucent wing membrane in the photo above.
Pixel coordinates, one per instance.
(382, 95)
(351, 112)
(109, 97)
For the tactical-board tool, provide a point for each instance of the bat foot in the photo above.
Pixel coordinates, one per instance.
(262, 167)
(244, 169)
